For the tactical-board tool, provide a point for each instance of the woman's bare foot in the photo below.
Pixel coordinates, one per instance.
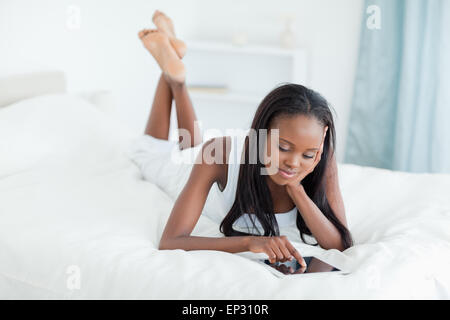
(165, 25)
(178, 45)
(158, 44)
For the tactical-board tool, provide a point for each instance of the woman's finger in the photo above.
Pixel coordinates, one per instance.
(282, 241)
(276, 249)
(284, 269)
(296, 254)
(300, 270)
(272, 256)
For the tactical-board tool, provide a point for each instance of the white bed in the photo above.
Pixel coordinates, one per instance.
(78, 222)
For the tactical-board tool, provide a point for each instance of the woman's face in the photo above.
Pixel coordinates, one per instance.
(299, 140)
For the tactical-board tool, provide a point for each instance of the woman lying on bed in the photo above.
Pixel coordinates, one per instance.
(304, 184)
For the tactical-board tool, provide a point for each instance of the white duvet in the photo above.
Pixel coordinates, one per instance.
(78, 222)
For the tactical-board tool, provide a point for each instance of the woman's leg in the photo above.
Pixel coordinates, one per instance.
(158, 123)
(168, 52)
(185, 115)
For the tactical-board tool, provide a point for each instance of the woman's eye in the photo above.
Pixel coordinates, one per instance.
(281, 149)
(308, 157)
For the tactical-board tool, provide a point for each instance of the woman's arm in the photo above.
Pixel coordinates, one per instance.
(333, 191)
(189, 206)
(187, 210)
(323, 230)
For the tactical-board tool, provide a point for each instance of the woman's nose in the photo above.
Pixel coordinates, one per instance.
(294, 162)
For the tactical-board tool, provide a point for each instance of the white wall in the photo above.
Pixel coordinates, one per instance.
(105, 53)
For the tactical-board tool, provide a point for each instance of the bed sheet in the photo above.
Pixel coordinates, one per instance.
(90, 230)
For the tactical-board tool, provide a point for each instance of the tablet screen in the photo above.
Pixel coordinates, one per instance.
(313, 265)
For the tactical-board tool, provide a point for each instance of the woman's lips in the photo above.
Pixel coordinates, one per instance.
(286, 174)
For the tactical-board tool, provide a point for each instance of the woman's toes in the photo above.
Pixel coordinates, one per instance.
(163, 23)
(144, 32)
(156, 14)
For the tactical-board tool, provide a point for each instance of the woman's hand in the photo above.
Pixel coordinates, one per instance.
(277, 248)
(288, 270)
(291, 186)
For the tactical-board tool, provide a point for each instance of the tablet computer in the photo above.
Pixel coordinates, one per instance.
(313, 265)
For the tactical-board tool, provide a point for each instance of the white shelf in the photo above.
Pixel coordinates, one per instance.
(227, 97)
(224, 47)
(248, 73)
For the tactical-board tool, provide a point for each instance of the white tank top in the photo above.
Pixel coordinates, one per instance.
(244, 222)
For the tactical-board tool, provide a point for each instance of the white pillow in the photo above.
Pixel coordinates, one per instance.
(56, 128)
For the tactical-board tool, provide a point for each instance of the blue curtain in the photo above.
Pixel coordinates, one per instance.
(400, 114)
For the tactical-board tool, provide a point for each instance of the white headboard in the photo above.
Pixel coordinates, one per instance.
(21, 86)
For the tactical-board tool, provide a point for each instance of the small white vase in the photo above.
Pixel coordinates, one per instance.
(288, 35)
